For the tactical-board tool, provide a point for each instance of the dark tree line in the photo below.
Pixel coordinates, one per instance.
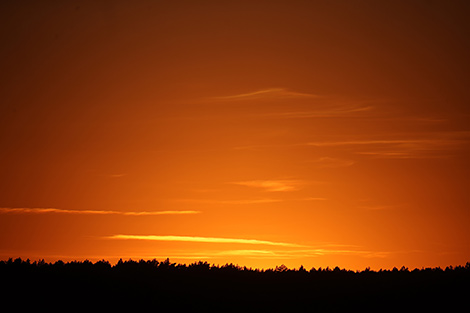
(166, 286)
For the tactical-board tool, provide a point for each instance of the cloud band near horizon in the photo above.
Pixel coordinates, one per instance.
(202, 239)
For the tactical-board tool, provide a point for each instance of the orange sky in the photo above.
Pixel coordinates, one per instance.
(261, 133)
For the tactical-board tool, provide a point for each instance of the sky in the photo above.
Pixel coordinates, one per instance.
(260, 133)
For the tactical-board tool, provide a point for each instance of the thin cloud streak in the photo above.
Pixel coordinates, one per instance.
(243, 201)
(326, 112)
(266, 93)
(416, 147)
(279, 254)
(202, 239)
(381, 207)
(318, 252)
(93, 212)
(328, 162)
(402, 148)
(312, 199)
(271, 185)
(437, 140)
(305, 105)
(117, 175)
(365, 142)
(400, 155)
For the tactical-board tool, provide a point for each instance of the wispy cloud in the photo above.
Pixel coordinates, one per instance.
(95, 212)
(272, 185)
(377, 207)
(433, 145)
(117, 175)
(266, 93)
(289, 249)
(203, 239)
(326, 251)
(282, 103)
(331, 111)
(427, 145)
(381, 207)
(305, 253)
(312, 199)
(365, 142)
(328, 162)
(234, 201)
(279, 254)
(247, 201)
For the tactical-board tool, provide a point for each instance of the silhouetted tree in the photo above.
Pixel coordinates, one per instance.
(206, 287)
(281, 268)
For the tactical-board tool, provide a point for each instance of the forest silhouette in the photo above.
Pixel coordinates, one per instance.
(164, 286)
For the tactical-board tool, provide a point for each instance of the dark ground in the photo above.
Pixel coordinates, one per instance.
(200, 287)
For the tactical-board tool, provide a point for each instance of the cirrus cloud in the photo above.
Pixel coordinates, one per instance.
(203, 239)
(271, 185)
(93, 212)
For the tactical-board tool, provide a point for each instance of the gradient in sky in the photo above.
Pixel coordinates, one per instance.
(320, 133)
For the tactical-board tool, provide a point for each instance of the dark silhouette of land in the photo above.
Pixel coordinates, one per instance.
(201, 287)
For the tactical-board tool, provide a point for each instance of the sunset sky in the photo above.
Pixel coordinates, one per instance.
(314, 133)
